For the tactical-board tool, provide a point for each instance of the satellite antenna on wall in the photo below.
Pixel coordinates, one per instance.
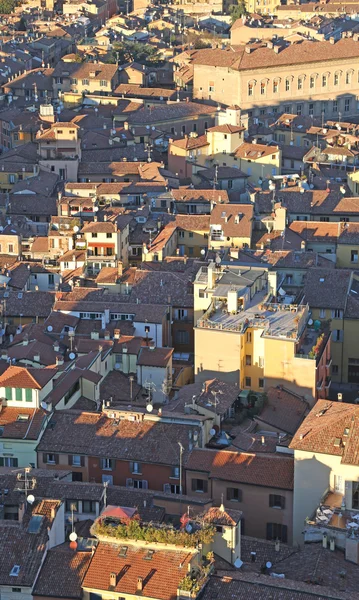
(268, 564)
(49, 328)
(212, 431)
(72, 355)
(44, 405)
(238, 563)
(149, 407)
(73, 536)
(30, 499)
(310, 322)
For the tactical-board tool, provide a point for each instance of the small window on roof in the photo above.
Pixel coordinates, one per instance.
(149, 555)
(15, 571)
(35, 524)
(123, 551)
(19, 295)
(22, 417)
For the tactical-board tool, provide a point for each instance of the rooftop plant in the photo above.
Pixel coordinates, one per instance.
(146, 532)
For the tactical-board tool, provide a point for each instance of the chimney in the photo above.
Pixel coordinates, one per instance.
(4, 354)
(37, 357)
(125, 126)
(59, 360)
(105, 218)
(139, 584)
(332, 40)
(107, 335)
(263, 440)
(25, 341)
(56, 346)
(248, 49)
(53, 513)
(113, 580)
(276, 49)
(95, 335)
(119, 268)
(116, 334)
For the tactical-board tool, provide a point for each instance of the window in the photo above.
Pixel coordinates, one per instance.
(287, 88)
(248, 360)
(250, 89)
(324, 80)
(211, 86)
(335, 369)
(338, 335)
(183, 128)
(11, 178)
(277, 531)
(11, 248)
(299, 109)
(8, 393)
(337, 313)
(108, 235)
(263, 88)
(72, 506)
(336, 78)
(347, 105)
(300, 83)
(199, 485)
(175, 472)
(261, 382)
(16, 590)
(234, 494)
(6, 461)
(275, 86)
(311, 109)
(76, 460)
(88, 506)
(248, 381)
(135, 468)
(140, 484)
(18, 394)
(335, 106)
(103, 83)
(85, 82)
(276, 501)
(175, 488)
(354, 256)
(76, 476)
(322, 313)
(312, 82)
(51, 279)
(182, 337)
(50, 459)
(94, 235)
(107, 464)
(348, 77)
(249, 336)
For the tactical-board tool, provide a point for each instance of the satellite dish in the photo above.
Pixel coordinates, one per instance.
(44, 405)
(149, 408)
(31, 499)
(72, 355)
(203, 252)
(212, 431)
(49, 328)
(145, 250)
(268, 564)
(238, 563)
(310, 322)
(188, 528)
(76, 228)
(73, 536)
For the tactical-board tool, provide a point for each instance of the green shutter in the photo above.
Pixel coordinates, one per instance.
(8, 393)
(28, 395)
(18, 394)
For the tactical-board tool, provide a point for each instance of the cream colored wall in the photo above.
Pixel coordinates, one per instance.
(344, 256)
(281, 367)
(254, 349)
(224, 544)
(23, 450)
(336, 347)
(223, 143)
(350, 346)
(314, 474)
(217, 354)
(226, 84)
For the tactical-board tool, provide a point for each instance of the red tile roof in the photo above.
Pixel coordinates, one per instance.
(160, 575)
(269, 471)
(19, 377)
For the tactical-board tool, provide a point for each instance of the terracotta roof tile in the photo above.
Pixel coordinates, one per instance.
(269, 471)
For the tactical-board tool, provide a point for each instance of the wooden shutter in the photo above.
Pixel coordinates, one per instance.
(194, 485)
(82, 461)
(271, 500)
(282, 501)
(167, 488)
(70, 459)
(229, 493)
(56, 456)
(44, 458)
(205, 486)
(129, 482)
(144, 484)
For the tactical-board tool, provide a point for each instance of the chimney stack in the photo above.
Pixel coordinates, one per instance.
(113, 578)
(139, 584)
(119, 268)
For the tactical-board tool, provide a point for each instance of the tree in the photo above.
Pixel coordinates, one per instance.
(123, 52)
(7, 6)
(238, 10)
